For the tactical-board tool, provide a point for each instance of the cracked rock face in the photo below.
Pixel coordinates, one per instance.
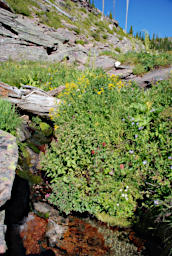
(8, 163)
(21, 38)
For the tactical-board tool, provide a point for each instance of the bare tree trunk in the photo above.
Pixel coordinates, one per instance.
(103, 8)
(126, 19)
(114, 9)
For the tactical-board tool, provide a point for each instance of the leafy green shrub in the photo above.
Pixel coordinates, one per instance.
(112, 148)
(77, 30)
(96, 36)
(82, 9)
(9, 119)
(117, 49)
(105, 36)
(80, 42)
(120, 38)
(139, 69)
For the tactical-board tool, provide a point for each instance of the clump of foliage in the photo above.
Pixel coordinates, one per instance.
(96, 36)
(77, 30)
(105, 36)
(112, 147)
(139, 69)
(9, 119)
(117, 49)
(80, 42)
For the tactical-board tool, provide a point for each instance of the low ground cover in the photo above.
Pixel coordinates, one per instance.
(9, 119)
(44, 75)
(112, 148)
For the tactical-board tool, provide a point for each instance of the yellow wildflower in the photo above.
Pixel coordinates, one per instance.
(56, 127)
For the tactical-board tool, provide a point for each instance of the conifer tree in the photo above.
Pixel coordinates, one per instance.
(110, 15)
(131, 30)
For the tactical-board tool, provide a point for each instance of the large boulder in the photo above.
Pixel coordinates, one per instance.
(8, 163)
(104, 62)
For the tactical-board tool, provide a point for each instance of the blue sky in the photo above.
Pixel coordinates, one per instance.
(154, 16)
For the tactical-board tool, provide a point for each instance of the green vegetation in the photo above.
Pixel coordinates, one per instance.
(117, 49)
(131, 30)
(156, 43)
(105, 36)
(9, 119)
(109, 53)
(110, 15)
(80, 42)
(22, 7)
(107, 156)
(145, 60)
(96, 36)
(50, 18)
(44, 75)
(139, 69)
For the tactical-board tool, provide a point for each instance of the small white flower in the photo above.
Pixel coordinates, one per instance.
(117, 204)
(123, 195)
(117, 64)
(120, 190)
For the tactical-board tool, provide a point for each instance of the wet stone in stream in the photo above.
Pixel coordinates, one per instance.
(80, 238)
(32, 233)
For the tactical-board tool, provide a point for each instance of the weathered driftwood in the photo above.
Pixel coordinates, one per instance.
(56, 91)
(29, 98)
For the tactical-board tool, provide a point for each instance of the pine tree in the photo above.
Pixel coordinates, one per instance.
(131, 30)
(93, 5)
(110, 15)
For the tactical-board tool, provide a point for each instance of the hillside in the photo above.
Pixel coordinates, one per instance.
(58, 30)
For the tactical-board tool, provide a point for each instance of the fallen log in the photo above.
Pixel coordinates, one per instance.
(56, 91)
(29, 98)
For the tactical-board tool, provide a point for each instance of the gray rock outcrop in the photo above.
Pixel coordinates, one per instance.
(23, 38)
(8, 163)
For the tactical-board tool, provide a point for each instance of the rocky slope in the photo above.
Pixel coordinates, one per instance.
(58, 31)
